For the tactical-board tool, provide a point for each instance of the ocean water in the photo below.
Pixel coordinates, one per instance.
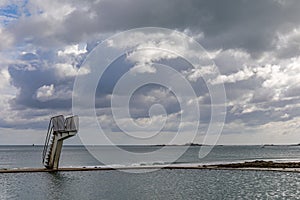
(30, 156)
(160, 184)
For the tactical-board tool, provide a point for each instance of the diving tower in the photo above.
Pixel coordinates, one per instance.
(59, 129)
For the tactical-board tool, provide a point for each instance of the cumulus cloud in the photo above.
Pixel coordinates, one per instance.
(68, 70)
(241, 75)
(45, 92)
(254, 44)
(143, 68)
(222, 25)
(4, 78)
(75, 49)
(49, 92)
(6, 39)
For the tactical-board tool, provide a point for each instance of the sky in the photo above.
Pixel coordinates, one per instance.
(254, 44)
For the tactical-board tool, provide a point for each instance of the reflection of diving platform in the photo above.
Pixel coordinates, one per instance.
(59, 129)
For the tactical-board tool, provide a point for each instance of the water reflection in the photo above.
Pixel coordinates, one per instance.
(56, 184)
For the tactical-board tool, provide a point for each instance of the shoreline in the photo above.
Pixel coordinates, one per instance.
(250, 166)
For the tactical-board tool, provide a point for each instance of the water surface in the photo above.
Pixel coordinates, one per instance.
(161, 184)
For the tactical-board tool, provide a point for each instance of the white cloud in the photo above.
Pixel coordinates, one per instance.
(241, 75)
(7, 39)
(152, 47)
(281, 78)
(68, 70)
(161, 95)
(140, 55)
(143, 68)
(45, 92)
(4, 79)
(50, 92)
(8, 92)
(148, 48)
(285, 116)
(282, 128)
(232, 60)
(196, 73)
(75, 49)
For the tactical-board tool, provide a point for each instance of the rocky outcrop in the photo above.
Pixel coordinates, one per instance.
(261, 164)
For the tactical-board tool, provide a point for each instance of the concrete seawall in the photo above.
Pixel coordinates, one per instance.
(263, 166)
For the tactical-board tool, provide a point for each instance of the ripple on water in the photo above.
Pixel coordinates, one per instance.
(162, 184)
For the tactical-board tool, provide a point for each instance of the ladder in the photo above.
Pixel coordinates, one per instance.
(59, 129)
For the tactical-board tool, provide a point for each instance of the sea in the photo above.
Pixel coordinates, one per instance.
(157, 184)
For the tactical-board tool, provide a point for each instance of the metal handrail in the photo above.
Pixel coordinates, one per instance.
(47, 140)
(56, 127)
(50, 128)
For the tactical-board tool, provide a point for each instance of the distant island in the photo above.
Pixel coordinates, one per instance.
(187, 144)
(259, 164)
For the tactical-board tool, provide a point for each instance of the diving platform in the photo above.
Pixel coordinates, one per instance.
(59, 129)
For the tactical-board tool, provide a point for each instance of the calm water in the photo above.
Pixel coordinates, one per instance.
(161, 184)
(29, 156)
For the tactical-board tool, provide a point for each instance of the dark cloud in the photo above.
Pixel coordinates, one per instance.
(247, 24)
(148, 95)
(248, 33)
(32, 74)
(26, 98)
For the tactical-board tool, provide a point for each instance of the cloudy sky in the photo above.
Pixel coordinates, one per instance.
(254, 44)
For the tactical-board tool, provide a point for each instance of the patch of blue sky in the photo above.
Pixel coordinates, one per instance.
(24, 9)
(13, 11)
